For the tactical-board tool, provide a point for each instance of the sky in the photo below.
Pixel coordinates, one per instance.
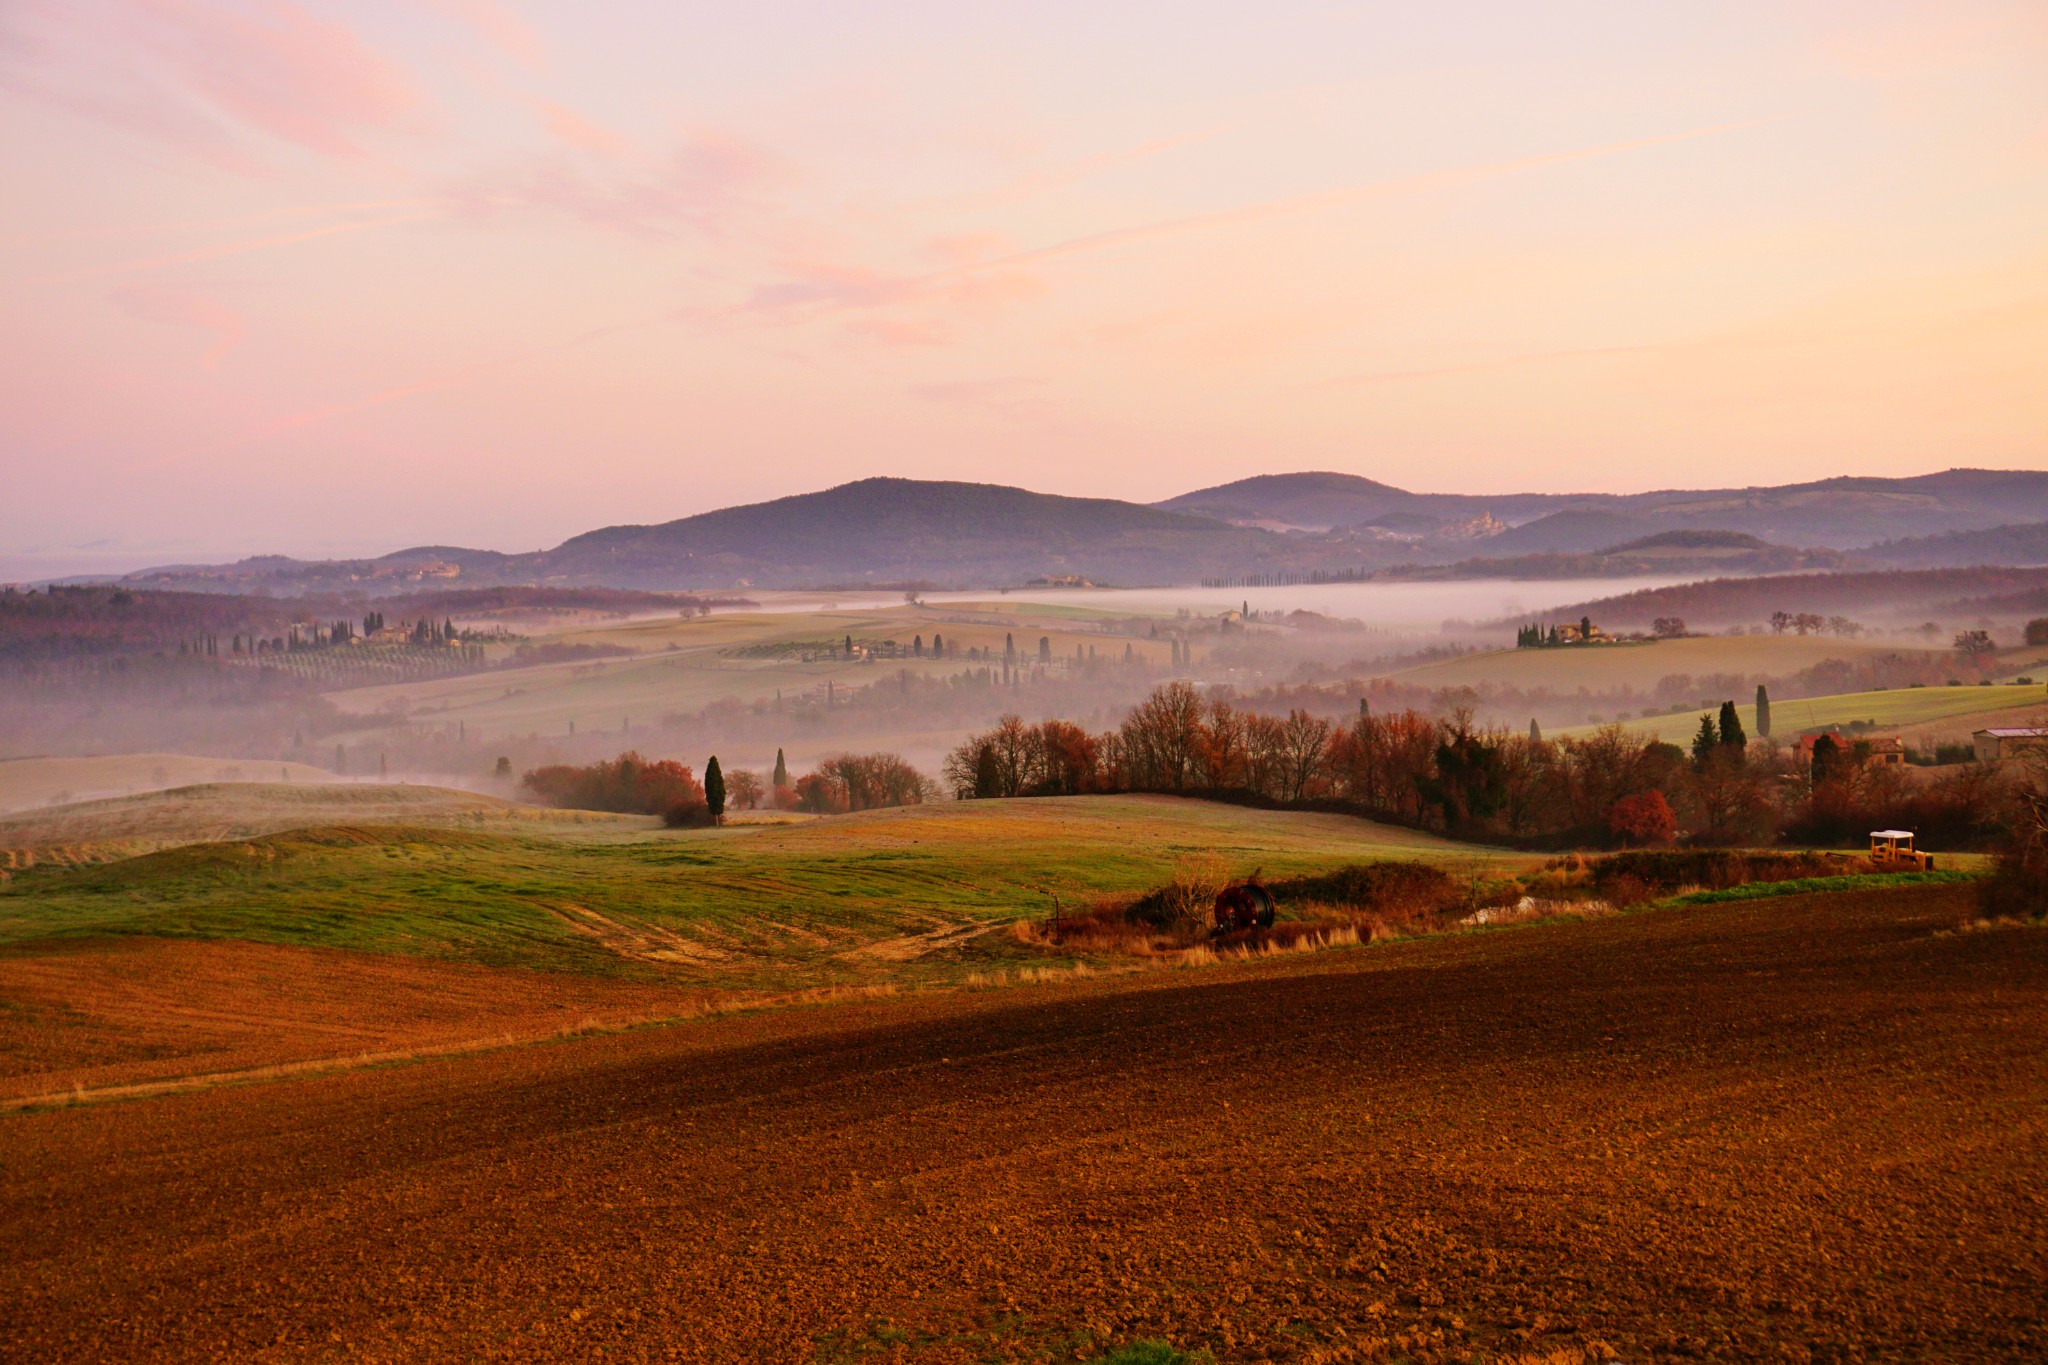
(335, 279)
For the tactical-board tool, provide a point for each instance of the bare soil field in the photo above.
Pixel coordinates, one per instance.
(1805, 1129)
(95, 1015)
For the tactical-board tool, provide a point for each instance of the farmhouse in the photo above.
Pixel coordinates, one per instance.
(2003, 742)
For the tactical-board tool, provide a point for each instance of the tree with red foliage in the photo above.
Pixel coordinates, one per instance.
(629, 784)
(1642, 820)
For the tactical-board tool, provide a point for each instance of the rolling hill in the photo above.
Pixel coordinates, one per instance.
(1842, 513)
(901, 531)
(2026, 544)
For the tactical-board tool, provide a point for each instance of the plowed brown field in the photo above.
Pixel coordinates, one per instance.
(114, 1013)
(1813, 1128)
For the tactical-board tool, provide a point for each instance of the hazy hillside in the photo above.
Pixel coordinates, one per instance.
(1840, 513)
(887, 531)
(1950, 597)
(1998, 545)
(884, 530)
(1323, 501)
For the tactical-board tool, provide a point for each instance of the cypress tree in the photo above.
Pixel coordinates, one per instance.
(781, 778)
(1703, 743)
(714, 789)
(849, 646)
(1535, 733)
(1731, 728)
(1009, 649)
(1763, 711)
(1045, 649)
(917, 646)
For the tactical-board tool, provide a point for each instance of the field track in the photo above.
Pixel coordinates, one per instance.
(1810, 1128)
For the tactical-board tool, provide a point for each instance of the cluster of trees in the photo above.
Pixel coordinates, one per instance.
(1812, 623)
(631, 784)
(628, 784)
(850, 782)
(1536, 637)
(1609, 787)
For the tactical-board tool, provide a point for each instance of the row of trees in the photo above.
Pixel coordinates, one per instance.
(1609, 787)
(632, 784)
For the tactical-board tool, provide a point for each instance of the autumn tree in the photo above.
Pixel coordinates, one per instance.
(1642, 820)
(742, 789)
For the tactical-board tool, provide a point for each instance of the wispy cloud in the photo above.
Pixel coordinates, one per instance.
(1322, 201)
(500, 26)
(184, 308)
(214, 80)
(214, 253)
(708, 183)
(809, 288)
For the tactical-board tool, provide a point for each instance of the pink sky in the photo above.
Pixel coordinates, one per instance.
(332, 279)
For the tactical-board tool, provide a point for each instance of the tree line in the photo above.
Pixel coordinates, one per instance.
(1449, 774)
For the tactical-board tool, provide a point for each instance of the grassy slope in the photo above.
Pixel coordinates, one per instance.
(1640, 666)
(746, 905)
(128, 825)
(683, 665)
(29, 782)
(1900, 709)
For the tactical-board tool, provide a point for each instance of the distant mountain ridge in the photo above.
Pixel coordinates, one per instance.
(1841, 513)
(884, 531)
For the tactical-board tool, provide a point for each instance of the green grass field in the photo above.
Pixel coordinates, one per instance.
(1908, 710)
(1642, 665)
(907, 893)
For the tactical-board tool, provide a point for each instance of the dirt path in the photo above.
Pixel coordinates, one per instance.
(1805, 1129)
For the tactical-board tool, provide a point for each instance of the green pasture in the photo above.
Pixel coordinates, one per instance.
(1895, 709)
(1642, 664)
(902, 893)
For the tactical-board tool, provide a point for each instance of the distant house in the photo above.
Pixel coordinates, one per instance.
(2003, 742)
(1880, 748)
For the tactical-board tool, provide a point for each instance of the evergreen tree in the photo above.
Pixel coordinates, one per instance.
(1364, 708)
(1045, 649)
(938, 645)
(714, 789)
(917, 646)
(1535, 733)
(1704, 742)
(1731, 728)
(1009, 649)
(849, 646)
(1763, 711)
